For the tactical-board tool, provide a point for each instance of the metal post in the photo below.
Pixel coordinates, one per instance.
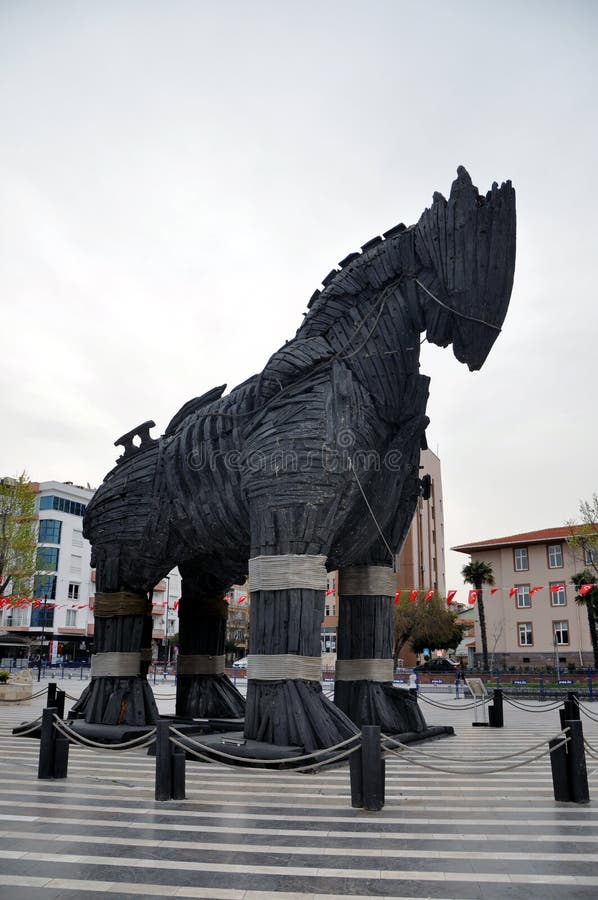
(52, 687)
(178, 774)
(45, 768)
(495, 712)
(60, 698)
(41, 645)
(163, 761)
(590, 685)
(356, 776)
(576, 763)
(558, 765)
(542, 688)
(373, 768)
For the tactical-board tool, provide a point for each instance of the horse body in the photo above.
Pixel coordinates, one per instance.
(318, 455)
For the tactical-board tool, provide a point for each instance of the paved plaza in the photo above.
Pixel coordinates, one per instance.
(254, 835)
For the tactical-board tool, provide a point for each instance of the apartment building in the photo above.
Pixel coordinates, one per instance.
(58, 619)
(532, 618)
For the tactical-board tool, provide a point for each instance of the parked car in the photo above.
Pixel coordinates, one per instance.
(441, 664)
(240, 663)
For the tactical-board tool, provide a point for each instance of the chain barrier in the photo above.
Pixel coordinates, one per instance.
(264, 763)
(261, 763)
(533, 709)
(405, 748)
(477, 772)
(586, 712)
(29, 726)
(135, 744)
(591, 750)
(481, 702)
(24, 699)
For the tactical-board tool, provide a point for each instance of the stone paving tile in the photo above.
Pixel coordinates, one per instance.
(254, 835)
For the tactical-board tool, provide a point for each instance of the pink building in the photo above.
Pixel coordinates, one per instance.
(532, 619)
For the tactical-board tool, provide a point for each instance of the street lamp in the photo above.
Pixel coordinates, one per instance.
(41, 644)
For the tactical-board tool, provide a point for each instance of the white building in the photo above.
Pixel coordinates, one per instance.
(63, 593)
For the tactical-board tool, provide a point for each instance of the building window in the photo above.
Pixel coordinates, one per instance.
(44, 586)
(521, 559)
(47, 559)
(75, 563)
(558, 597)
(328, 642)
(73, 591)
(555, 556)
(16, 616)
(560, 631)
(525, 634)
(42, 616)
(523, 597)
(71, 618)
(326, 610)
(49, 531)
(63, 505)
(590, 556)
(77, 538)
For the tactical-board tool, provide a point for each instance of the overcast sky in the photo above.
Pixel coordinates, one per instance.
(177, 177)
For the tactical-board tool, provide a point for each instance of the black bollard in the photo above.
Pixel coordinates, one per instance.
(496, 717)
(558, 765)
(373, 768)
(572, 705)
(163, 761)
(59, 704)
(576, 763)
(61, 756)
(45, 768)
(51, 701)
(356, 776)
(178, 774)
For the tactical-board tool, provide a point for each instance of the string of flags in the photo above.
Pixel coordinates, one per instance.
(35, 603)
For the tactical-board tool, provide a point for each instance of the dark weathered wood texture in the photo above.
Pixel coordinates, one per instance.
(282, 463)
(202, 630)
(365, 632)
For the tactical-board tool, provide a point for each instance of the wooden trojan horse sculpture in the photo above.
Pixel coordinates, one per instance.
(308, 467)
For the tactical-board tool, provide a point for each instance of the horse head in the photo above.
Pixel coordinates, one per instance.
(466, 247)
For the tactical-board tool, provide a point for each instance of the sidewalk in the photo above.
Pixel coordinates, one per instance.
(255, 835)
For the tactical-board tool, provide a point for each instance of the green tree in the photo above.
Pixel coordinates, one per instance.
(18, 534)
(425, 624)
(590, 601)
(479, 573)
(584, 533)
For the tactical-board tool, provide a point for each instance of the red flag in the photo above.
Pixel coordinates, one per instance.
(413, 596)
(175, 605)
(473, 596)
(535, 590)
(555, 588)
(585, 589)
(397, 597)
(449, 597)
(512, 592)
(242, 599)
(428, 596)
(330, 591)
(493, 591)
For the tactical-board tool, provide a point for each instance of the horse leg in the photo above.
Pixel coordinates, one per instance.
(364, 667)
(203, 690)
(118, 693)
(285, 702)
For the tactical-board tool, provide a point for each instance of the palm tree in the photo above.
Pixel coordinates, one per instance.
(480, 573)
(590, 601)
